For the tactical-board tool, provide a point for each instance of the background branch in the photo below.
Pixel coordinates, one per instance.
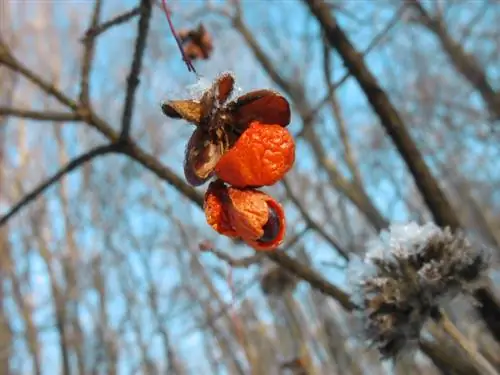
(135, 69)
(71, 166)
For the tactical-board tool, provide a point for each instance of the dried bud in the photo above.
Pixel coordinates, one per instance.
(405, 275)
(277, 280)
(197, 43)
(296, 366)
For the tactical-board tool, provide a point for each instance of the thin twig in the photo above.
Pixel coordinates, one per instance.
(40, 116)
(311, 224)
(72, 165)
(135, 69)
(374, 43)
(244, 262)
(95, 31)
(339, 119)
(186, 59)
(88, 56)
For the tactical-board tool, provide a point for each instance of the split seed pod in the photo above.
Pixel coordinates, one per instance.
(220, 125)
(249, 214)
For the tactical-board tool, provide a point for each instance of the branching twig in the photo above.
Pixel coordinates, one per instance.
(311, 224)
(374, 43)
(237, 262)
(40, 116)
(339, 120)
(95, 31)
(72, 165)
(135, 70)
(252, 259)
(88, 56)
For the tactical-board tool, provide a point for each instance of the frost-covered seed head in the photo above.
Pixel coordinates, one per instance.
(406, 273)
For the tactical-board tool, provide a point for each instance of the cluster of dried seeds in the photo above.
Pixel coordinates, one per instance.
(244, 144)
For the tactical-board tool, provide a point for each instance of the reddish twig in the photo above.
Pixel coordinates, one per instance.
(186, 59)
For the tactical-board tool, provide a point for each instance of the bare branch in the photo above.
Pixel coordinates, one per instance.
(95, 31)
(88, 56)
(250, 260)
(310, 222)
(238, 263)
(72, 165)
(391, 120)
(135, 69)
(312, 277)
(7, 59)
(40, 116)
(463, 62)
(374, 43)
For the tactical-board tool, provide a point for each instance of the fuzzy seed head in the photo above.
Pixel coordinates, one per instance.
(405, 275)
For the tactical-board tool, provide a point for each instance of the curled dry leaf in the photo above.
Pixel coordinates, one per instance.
(220, 125)
(249, 214)
(196, 43)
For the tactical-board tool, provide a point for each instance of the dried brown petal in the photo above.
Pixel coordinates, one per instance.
(189, 110)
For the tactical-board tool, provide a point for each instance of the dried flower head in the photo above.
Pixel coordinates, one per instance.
(405, 275)
(276, 281)
(220, 124)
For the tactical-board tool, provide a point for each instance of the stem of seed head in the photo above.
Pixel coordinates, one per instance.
(481, 363)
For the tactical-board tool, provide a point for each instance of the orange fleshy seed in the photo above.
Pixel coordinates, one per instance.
(261, 157)
(215, 212)
(248, 212)
(242, 213)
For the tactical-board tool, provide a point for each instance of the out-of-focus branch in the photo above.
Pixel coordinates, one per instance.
(391, 120)
(463, 62)
(434, 197)
(95, 31)
(135, 69)
(256, 258)
(7, 59)
(312, 277)
(72, 165)
(88, 56)
(374, 43)
(40, 116)
(354, 192)
(236, 262)
(340, 121)
(310, 222)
